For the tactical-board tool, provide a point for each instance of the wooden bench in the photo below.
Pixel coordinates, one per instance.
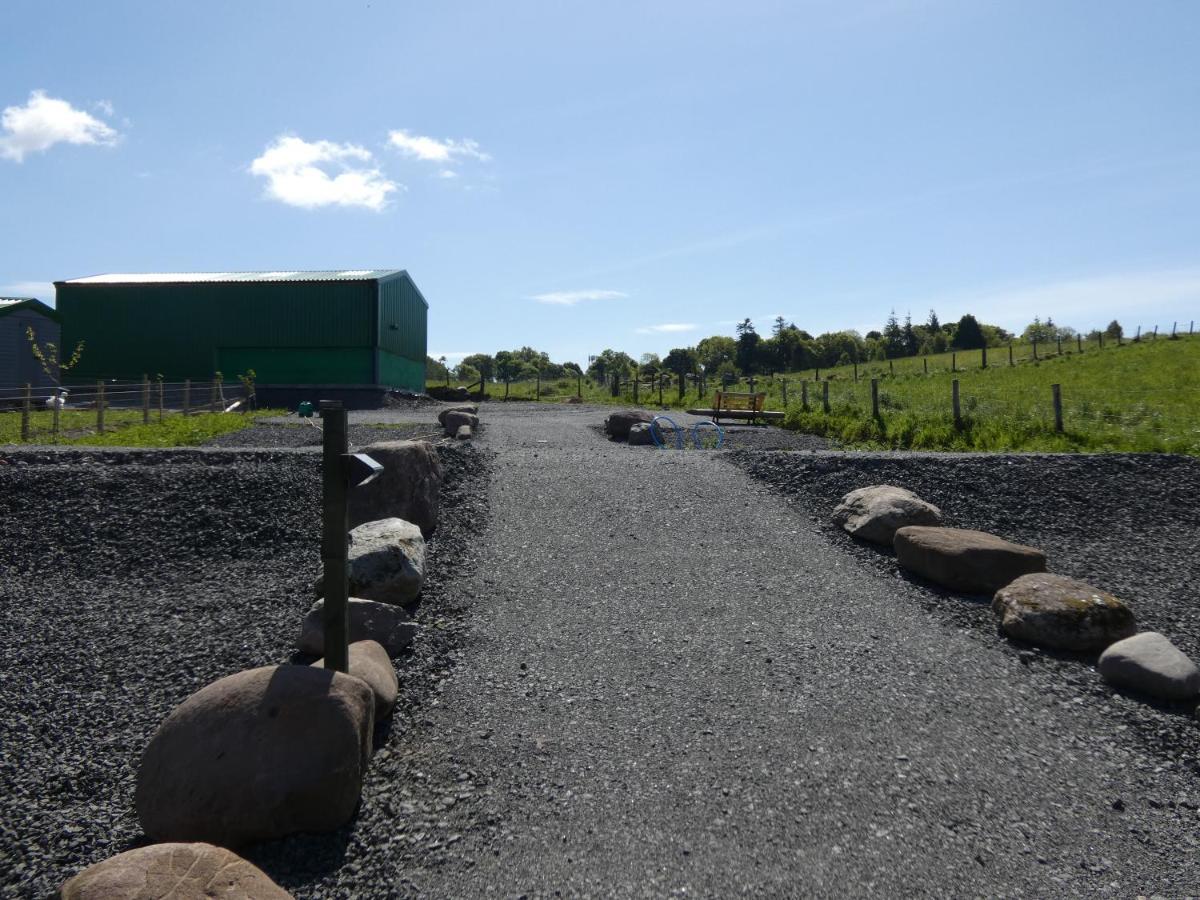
(738, 405)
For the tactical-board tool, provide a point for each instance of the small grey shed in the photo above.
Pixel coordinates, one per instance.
(17, 364)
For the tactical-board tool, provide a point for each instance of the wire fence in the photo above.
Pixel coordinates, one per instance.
(29, 415)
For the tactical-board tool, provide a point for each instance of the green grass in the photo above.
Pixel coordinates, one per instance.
(124, 428)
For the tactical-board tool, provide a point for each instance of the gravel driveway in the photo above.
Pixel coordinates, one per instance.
(651, 674)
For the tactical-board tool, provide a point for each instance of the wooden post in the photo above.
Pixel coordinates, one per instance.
(804, 395)
(145, 399)
(1155, 337)
(579, 385)
(953, 362)
(160, 399)
(1010, 356)
(752, 384)
(682, 386)
(506, 388)
(1079, 342)
(636, 379)
(856, 372)
(1100, 338)
(187, 396)
(1137, 339)
(817, 377)
(57, 417)
(26, 403)
(538, 394)
(825, 396)
(1056, 391)
(1059, 340)
(925, 363)
(335, 527)
(1173, 324)
(891, 369)
(212, 396)
(984, 365)
(785, 393)
(875, 397)
(954, 402)
(100, 407)
(660, 388)
(1035, 356)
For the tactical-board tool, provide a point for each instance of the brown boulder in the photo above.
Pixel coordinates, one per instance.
(618, 424)
(877, 512)
(407, 488)
(455, 420)
(971, 562)
(1057, 611)
(179, 871)
(370, 662)
(258, 755)
(471, 408)
(370, 620)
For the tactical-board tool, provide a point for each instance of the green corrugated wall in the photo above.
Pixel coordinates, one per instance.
(326, 332)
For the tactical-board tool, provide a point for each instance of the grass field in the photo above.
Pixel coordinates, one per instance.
(124, 427)
(1139, 396)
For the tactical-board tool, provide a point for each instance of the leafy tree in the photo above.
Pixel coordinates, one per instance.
(466, 373)
(715, 350)
(908, 337)
(778, 326)
(893, 337)
(747, 348)
(1114, 330)
(1039, 331)
(681, 360)
(47, 356)
(609, 363)
(482, 363)
(932, 323)
(435, 370)
(968, 335)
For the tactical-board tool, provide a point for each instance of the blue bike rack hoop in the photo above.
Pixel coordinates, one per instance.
(658, 441)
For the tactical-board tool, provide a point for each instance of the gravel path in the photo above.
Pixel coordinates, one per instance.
(643, 673)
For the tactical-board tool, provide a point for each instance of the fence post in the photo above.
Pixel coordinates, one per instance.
(925, 363)
(26, 403)
(145, 399)
(954, 402)
(1059, 346)
(1010, 356)
(538, 390)
(660, 381)
(1079, 342)
(160, 399)
(636, 381)
(1137, 338)
(100, 407)
(1173, 324)
(804, 395)
(875, 398)
(825, 396)
(1035, 356)
(1056, 391)
(856, 372)
(187, 396)
(336, 613)
(682, 386)
(579, 385)
(891, 369)
(817, 375)
(506, 388)
(984, 366)
(57, 416)
(1155, 337)
(785, 393)
(953, 362)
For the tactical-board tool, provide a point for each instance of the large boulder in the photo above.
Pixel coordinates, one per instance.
(408, 487)
(194, 871)
(386, 562)
(875, 513)
(258, 755)
(971, 562)
(1057, 611)
(472, 408)
(455, 421)
(388, 625)
(1151, 664)
(618, 424)
(639, 435)
(369, 661)
(445, 392)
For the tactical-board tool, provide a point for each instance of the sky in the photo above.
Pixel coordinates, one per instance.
(575, 176)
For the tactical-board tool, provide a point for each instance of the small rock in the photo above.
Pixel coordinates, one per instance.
(1150, 663)
(463, 433)
(618, 424)
(972, 562)
(389, 625)
(386, 561)
(875, 513)
(179, 871)
(258, 755)
(370, 662)
(1057, 611)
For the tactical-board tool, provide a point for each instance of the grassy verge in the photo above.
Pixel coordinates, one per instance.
(124, 428)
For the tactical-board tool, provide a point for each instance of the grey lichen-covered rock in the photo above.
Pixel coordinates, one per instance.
(877, 512)
(971, 562)
(258, 755)
(1150, 663)
(456, 420)
(370, 662)
(464, 433)
(1057, 611)
(639, 435)
(389, 625)
(471, 408)
(386, 562)
(408, 487)
(617, 425)
(195, 871)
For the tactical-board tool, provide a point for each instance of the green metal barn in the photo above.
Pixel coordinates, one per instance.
(344, 331)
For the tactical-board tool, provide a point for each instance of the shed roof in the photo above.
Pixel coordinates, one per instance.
(32, 304)
(218, 277)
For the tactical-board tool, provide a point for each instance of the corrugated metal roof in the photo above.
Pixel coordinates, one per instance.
(210, 277)
(8, 301)
(10, 305)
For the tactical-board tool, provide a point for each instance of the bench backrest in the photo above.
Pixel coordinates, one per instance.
(732, 400)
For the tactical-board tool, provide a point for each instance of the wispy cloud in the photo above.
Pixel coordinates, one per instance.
(45, 121)
(571, 298)
(312, 174)
(42, 290)
(447, 153)
(451, 355)
(667, 328)
(1086, 301)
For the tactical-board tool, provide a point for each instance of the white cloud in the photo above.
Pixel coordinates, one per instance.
(311, 174)
(447, 173)
(570, 298)
(42, 290)
(432, 150)
(45, 121)
(105, 106)
(452, 356)
(667, 328)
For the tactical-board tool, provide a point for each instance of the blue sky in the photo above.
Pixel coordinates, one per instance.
(635, 175)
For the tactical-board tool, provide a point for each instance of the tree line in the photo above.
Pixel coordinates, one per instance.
(787, 348)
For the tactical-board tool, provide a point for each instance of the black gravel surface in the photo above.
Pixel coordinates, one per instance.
(128, 580)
